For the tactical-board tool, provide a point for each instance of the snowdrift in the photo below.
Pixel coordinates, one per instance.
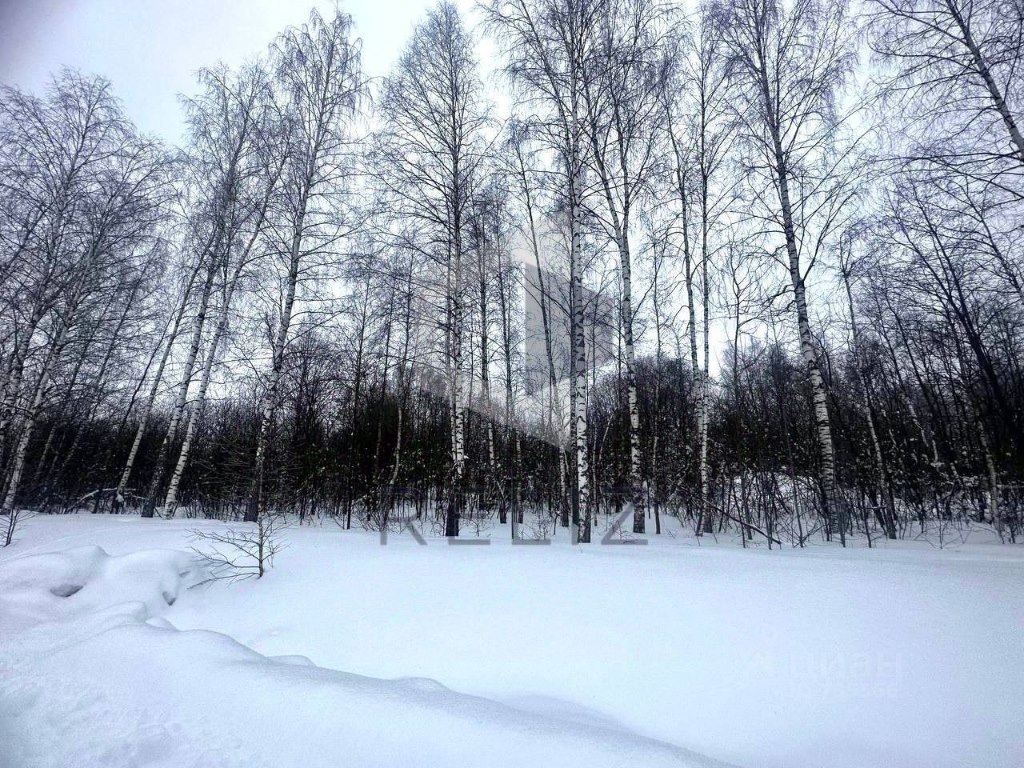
(82, 580)
(92, 675)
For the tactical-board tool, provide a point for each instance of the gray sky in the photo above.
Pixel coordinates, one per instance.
(150, 48)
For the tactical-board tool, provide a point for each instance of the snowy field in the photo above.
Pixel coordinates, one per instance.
(352, 654)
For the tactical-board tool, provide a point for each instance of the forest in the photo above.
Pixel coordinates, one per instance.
(752, 266)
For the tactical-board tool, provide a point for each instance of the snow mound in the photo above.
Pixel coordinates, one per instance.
(85, 580)
(550, 706)
(425, 684)
(294, 660)
(92, 676)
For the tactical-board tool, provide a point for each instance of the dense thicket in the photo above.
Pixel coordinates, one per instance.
(759, 269)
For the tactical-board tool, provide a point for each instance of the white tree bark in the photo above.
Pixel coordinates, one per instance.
(154, 389)
(21, 451)
(278, 350)
(581, 499)
(186, 382)
(170, 504)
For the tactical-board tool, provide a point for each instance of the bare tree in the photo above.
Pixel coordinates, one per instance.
(236, 174)
(789, 61)
(622, 89)
(701, 128)
(80, 161)
(165, 342)
(957, 65)
(238, 554)
(320, 83)
(431, 149)
(548, 44)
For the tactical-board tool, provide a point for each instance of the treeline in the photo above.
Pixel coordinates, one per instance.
(805, 219)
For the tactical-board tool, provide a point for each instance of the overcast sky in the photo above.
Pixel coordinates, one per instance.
(150, 48)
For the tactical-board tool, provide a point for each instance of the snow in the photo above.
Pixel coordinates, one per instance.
(38, 588)
(501, 655)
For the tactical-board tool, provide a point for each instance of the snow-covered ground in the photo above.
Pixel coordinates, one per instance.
(350, 653)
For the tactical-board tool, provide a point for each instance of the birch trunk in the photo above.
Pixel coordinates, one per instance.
(554, 402)
(992, 492)
(619, 214)
(456, 397)
(691, 330)
(186, 381)
(277, 366)
(21, 451)
(703, 384)
(886, 510)
(635, 460)
(147, 410)
(581, 497)
(511, 479)
(485, 374)
(231, 282)
(171, 499)
(402, 387)
(620, 229)
(659, 358)
(984, 71)
(689, 271)
(823, 427)
(14, 379)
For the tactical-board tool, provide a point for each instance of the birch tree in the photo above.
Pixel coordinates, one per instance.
(521, 158)
(957, 63)
(622, 90)
(789, 62)
(547, 44)
(319, 82)
(232, 165)
(431, 148)
(163, 348)
(100, 185)
(701, 132)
